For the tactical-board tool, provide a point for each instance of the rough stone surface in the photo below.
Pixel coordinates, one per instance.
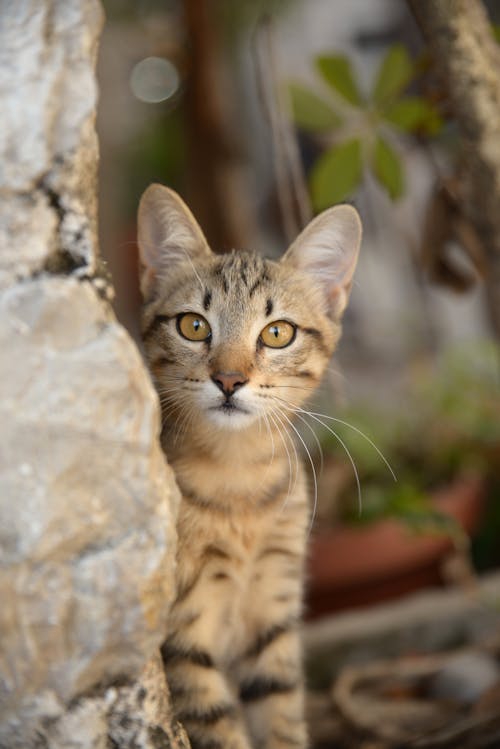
(122, 716)
(86, 511)
(48, 144)
(87, 502)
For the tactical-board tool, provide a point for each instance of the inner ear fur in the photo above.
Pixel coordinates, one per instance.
(327, 250)
(168, 234)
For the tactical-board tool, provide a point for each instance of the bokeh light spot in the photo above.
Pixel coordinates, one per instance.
(154, 79)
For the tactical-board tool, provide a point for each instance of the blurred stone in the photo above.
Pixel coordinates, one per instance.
(430, 621)
(465, 677)
(325, 725)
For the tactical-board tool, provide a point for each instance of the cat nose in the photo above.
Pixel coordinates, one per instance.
(228, 382)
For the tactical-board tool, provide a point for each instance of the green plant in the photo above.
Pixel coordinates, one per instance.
(361, 132)
(449, 426)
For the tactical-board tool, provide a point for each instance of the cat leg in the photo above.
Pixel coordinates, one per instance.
(271, 689)
(202, 698)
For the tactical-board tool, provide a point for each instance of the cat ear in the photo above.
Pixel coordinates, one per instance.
(327, 250)
(168, 234)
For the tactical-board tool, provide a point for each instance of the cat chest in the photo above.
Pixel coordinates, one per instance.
(247, 571)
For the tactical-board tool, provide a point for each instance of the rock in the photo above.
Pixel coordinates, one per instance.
(87, 510)
(125, 716)
(48, 144)
(142, 716)
(87, 502)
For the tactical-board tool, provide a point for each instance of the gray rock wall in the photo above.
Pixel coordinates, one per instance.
(87, 502)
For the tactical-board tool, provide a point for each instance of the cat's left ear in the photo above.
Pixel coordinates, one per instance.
(327, 250)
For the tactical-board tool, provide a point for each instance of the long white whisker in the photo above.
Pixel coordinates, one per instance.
(270, 434)
(316, 439)
(347, 452)
(297, 409)
(274, 419)
(273, 452)
(362, 434)
(315, 502)
(278, 414)
(189, 418)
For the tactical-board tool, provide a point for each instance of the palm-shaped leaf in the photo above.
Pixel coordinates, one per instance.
(388, 169)
(395, 72)
(310, 112)
(413, 113)
(337, 72)
(336, 174)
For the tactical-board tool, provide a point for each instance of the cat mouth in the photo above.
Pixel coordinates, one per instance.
(228, 414)
(229, 407)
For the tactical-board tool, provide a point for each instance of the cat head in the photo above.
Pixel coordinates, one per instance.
(236, 338)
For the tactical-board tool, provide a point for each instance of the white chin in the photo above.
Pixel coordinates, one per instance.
(232, 419)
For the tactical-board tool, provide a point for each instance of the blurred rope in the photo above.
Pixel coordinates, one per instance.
(293, 196)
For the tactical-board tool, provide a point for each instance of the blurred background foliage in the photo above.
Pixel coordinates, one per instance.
(418, 367)
(376, 120)
(448, 429)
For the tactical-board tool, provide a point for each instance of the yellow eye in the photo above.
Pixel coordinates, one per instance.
(193, 327)
(278, 334)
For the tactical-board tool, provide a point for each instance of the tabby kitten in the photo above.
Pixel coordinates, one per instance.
(235, 343)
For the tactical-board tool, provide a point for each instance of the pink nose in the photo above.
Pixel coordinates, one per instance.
(228, 382)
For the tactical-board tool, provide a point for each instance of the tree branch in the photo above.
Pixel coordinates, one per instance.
(465, 54)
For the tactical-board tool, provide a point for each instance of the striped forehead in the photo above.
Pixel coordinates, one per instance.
(242, 276)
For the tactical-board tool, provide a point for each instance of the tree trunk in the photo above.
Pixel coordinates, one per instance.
(465, 54)
(217, 184)
(87, 503)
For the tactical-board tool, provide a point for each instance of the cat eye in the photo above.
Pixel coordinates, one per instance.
(193, 327)
(278, 334)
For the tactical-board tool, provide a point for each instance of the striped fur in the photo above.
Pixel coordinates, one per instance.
(232, 655)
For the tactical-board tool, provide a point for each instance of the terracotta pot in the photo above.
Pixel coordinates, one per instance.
(352, 566)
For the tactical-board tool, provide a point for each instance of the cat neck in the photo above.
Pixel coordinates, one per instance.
(249, 445)
(217, 462)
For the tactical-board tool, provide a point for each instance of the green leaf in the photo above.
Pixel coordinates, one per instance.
(495, 27)
(310, 112)
(336, 70)
(388, 169)
(414, 113)
(336, 174)
(395, 72)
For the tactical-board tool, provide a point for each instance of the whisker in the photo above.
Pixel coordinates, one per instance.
(347, 452)
(273, 452)
(291, 476)
(318, 443)
(315, 502)
(297, 409)
(270, 434)
(362, 434)
(314, 414)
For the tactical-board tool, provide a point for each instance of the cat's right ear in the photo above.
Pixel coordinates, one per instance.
(327, 250)
(168, 234)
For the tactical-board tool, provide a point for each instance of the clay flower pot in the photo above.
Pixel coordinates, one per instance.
(353, 566)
